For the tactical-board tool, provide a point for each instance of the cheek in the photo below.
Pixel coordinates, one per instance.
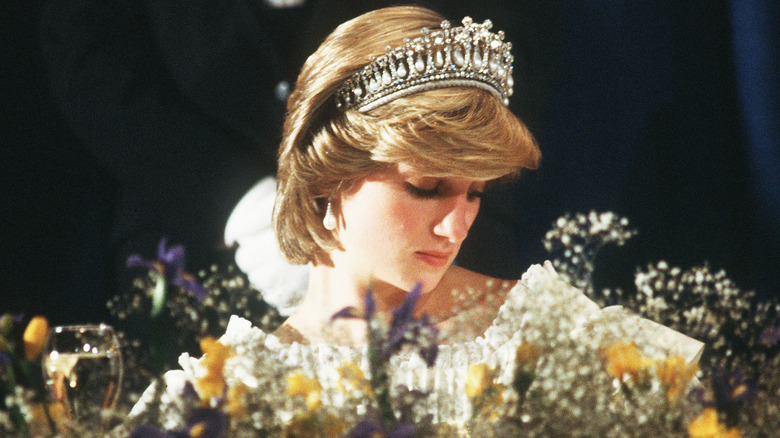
(377, 217)
(406, 216)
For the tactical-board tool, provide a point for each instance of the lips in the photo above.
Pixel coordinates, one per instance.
(436, 259)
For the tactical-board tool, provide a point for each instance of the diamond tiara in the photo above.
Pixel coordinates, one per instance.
(468, 56)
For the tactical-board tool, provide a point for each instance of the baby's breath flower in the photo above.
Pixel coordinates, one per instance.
(576, 240)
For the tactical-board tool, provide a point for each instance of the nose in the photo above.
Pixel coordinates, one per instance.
(456, 219)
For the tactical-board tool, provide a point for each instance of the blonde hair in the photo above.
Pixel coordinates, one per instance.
(458, 131)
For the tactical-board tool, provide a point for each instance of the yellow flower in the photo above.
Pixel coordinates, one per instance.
(624, 361)
(479, 378)
(675, 374)
(707, 425)
(197, 430)
(351, 374)
(212, 384)
(210, 387)
(215, 354)
(35, 337)
(235, 400)
(487, 396)
(307, 387)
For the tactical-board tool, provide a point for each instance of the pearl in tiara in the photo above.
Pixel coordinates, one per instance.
(465, 56)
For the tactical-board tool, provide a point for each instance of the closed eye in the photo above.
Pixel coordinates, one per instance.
(422, 192)
(438, 190)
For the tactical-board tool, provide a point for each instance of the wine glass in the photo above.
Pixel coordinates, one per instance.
(82, 367)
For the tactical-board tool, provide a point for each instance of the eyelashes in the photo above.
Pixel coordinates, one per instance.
(438, 191)
(425, 193)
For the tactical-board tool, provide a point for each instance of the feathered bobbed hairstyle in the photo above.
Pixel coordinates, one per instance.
(448, 132)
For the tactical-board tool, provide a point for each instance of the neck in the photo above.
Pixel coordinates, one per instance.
(331, 290)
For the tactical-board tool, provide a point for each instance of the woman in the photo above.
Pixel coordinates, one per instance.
(384, 158)
(381, 193)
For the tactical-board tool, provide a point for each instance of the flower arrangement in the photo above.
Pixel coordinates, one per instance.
(559, 384)
(567, 373)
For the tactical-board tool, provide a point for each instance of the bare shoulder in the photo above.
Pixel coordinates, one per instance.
(466, 296)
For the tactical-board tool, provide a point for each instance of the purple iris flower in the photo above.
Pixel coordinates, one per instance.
(405, 312)
(214, 422)
(404, 327)
(369, 304)
(368, 429)
(170, 263)
(732, 391)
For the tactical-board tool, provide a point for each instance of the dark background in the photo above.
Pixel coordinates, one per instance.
(125, 121)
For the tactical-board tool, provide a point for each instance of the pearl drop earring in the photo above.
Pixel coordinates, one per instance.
(329, 221)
